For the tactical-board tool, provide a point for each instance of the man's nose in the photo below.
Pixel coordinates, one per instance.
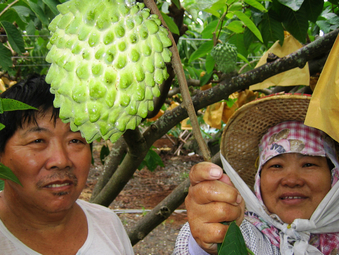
(58, 156)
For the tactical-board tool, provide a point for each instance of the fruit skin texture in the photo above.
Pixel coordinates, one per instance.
(225, 56)
(107, 62)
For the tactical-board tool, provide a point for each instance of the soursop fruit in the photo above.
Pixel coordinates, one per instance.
(225, 56)
(108, 59)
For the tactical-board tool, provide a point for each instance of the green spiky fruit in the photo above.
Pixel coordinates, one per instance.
(225, 56)
(107, 62)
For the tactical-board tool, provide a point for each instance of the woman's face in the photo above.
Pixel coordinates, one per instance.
(292, 185)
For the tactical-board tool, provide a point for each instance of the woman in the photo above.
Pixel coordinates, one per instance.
(295, 204)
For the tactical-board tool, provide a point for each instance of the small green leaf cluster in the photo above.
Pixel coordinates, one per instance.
(151, 161)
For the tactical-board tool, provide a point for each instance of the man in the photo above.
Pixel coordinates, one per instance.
(44, 215)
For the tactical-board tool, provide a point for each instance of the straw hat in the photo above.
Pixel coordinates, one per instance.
(243, 132)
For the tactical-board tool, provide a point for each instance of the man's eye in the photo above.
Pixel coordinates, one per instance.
(38, 141)
(76, 141)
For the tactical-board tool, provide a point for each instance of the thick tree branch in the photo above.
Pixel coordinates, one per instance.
(163, 210)
(160, 213)
(112, 162)
(137, 150)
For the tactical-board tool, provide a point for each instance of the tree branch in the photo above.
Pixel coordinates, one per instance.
(187, 100)
(112, 162)
(137, 151)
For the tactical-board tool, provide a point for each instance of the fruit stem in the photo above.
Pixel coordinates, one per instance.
(187, 100)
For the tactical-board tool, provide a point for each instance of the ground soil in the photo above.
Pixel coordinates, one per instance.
(143, 192)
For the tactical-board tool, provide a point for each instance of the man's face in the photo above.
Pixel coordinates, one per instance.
(51, 162)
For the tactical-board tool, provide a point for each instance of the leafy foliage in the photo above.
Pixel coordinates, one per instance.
(25, 34)
(253, 26)
(151, 161)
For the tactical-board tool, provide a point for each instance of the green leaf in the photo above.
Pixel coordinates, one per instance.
(170, 24)
(2, 185)
(237, 6)
(14, 37)
(2, 126)
(234, 243)
(296, 23)
(6, 173)
(177, 3)
(243, 58)
(104, 152)
(249, 38)
(209, 64)
(204, 4)
(52, 5)
(230, 102)
(214, 7)
(207, 33)
(6, 57)
(256, 4)
(13, 105)
(201, 51)
(249, 23)
(332, 18)
(191, 72)
(24, 13)
(271, 30)
(205, 78)
(324, 25)
(38, 12)
(292, 4)
(236, 26)
(238, 40)
(11, 16)
(152, 160)
(313, 9)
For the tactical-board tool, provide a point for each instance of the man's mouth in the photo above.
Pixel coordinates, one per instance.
(58, 180)
(57, 185)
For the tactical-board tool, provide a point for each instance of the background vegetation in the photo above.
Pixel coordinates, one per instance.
(197, 26)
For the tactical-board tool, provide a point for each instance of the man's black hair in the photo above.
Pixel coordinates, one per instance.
(35, 92)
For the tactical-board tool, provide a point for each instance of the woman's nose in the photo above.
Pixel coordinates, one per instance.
(292, 179)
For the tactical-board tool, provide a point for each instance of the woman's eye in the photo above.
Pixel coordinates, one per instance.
(308, 165)
(275, 166)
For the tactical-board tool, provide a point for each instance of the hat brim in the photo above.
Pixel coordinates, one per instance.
(244, 130)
